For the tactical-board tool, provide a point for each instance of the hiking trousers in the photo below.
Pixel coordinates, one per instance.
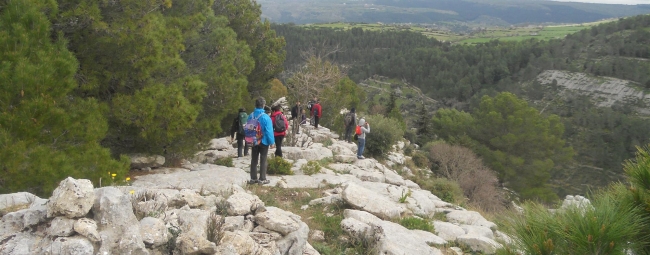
(362, 146)
(316, 120)
(278, 145)
(259, 152)
(241, 145)
(348, 132)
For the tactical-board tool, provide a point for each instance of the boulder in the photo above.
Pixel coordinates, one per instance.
(367, 200)
(241, 243)
(220, 144)
(242, 203)
(61, 226)
(117, 225)
(154, 232)
(469, 218)
(140, 161)
(70, 246)
(479, 243)
(448, 231)
(278, 220)
(72, 199)
(87, 228)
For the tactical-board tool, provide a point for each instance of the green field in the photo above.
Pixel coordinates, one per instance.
(480, 36)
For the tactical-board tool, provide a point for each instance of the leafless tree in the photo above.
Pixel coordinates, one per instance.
(478, 182)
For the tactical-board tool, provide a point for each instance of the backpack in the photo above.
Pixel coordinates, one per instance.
(348, 118)
(279, 125)
(241, 119)
(253, 131)
(358, 130)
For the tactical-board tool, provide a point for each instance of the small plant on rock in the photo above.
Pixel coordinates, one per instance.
(279, 166)
(312, 167)
(214, 224)
(416, 223)
(404, 196)
(224, 162)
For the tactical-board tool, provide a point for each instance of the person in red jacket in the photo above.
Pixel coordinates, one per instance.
(316, 111)
(278, 131)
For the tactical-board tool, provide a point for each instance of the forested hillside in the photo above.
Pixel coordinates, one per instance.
(459, 75)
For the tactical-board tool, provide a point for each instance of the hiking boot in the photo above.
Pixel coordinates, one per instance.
(253, 181)
(360, 157)
(264, 182)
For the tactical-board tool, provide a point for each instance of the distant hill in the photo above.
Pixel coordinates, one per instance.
(435, 11)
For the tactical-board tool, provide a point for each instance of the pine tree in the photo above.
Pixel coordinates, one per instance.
(46, 133)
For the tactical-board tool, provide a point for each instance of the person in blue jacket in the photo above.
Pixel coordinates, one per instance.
(261, 151)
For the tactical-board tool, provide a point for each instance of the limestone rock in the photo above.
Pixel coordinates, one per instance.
(72, 199)
(61, 226)
(140, 161)
(117, 225)
(278, 220)
(154, 232)
(87, 228)
(242, 203)
(364, 199)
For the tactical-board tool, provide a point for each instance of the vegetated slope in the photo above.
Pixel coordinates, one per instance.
(432, 11)
(457, 75)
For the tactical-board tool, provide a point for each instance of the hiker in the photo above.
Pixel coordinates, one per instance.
(267, 110)
(316, 112)
(350, 123)
(238, 128)
(295, 110)
(280, 126)
(260, 147)
(364, 128)
(303, 117)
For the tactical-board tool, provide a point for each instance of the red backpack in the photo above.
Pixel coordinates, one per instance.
(358, 130)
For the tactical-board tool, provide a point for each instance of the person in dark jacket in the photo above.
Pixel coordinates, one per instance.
(317, 112)
(295, 116)
(279, 135)
(351, 125)
(238, 129)
(261, 151)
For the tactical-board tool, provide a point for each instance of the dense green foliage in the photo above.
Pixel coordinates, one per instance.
(384, 133)
(46, 134)
(134, 76)
(514, 139)
(279, 166)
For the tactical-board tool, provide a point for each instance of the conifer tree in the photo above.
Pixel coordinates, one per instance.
(46, 132)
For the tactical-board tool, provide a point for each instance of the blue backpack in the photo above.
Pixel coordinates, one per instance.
(253, 131)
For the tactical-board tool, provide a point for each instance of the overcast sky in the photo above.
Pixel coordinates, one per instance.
(609, 1)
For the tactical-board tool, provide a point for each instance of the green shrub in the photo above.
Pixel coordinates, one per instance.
(224, 162)
(312, 167)
(384, 132)
(328, 143)
(420, 159)
(445, 189)
(279, 166)
(416, 223)
(607, 227)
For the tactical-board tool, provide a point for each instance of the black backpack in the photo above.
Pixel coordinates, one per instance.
(279, 125)
(349, 118)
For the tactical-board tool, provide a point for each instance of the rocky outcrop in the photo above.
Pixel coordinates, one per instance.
(207, 209)
(604, 90)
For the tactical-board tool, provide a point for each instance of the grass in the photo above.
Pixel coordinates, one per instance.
(486, 35)
(224, 162)
(417, 223)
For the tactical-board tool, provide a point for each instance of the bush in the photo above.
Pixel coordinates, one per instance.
(312, 167)
(479, 183)
(420, 159)
(416, 223)
(224, 162)
(384, 132)
(279, 166)
(447, 190)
